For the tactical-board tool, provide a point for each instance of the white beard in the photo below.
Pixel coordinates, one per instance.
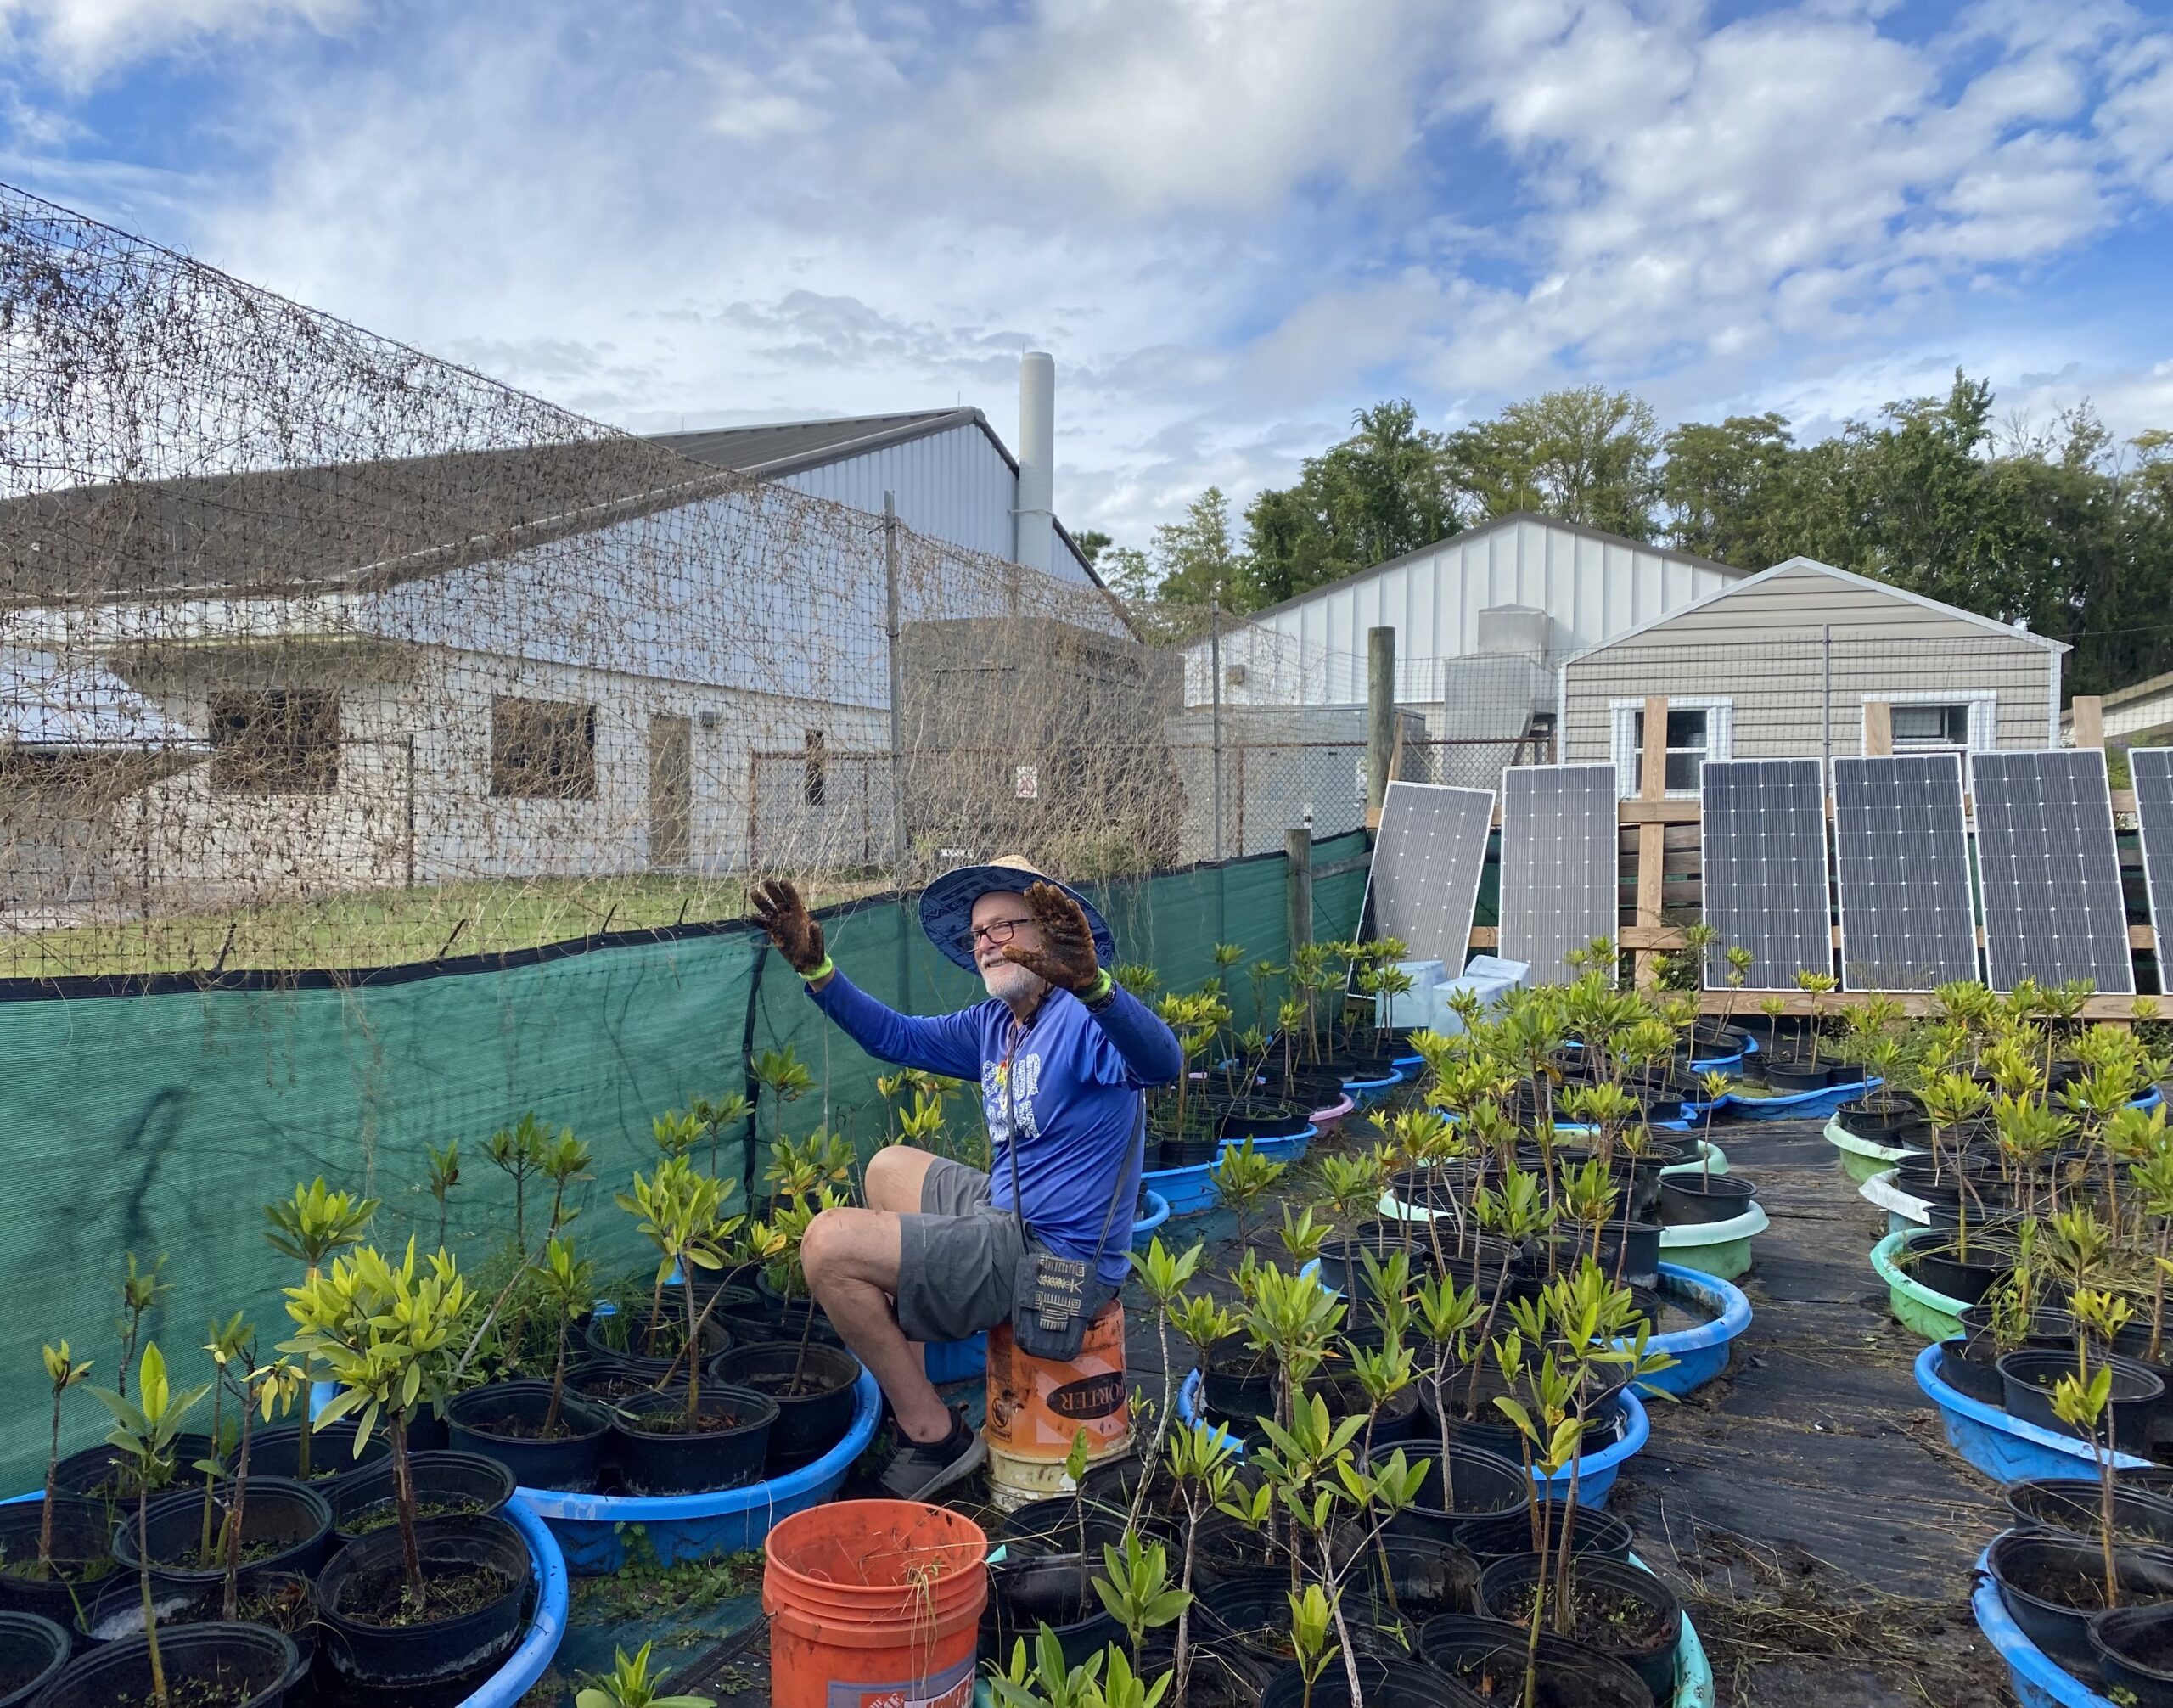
(1009, 982)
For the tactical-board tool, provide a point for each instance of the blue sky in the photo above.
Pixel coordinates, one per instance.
(1233, 221)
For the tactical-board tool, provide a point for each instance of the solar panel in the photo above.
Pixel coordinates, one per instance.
(1561, 864)
(2048, 869)
(2151, 770)
(1764, 863)
(1901, 856)
(1424, 879)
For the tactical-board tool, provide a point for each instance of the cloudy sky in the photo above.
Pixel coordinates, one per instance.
(1233, 221)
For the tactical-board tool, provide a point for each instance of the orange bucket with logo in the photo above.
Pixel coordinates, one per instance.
(1035, 1408)
(874, 1604)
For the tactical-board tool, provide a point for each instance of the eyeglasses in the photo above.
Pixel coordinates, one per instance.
(998, 932)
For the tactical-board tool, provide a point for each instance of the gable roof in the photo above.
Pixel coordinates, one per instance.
(1465, 535)
(1847, 577)
(771, 450)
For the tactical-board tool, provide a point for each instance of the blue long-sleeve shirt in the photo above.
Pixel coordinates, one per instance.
(1075, 1080)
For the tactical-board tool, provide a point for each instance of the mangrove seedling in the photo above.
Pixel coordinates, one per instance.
(445, 1175)
(785, 1078)
(2079, 1401)
(233, 1343)
(562, 1161)
(1244, 1177)
(1164, 1275)
(1818, 986)
(144, 1430)
(63, 1372)
(681, 1211)
(518, 1151)
(140, 1289)
(714, 1114)
(629, 1685)
(310, 1227)
(270, 1391)
(676, 1132)
(566, 1284)
(388, 1334)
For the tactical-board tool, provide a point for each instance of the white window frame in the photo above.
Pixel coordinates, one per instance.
(1984, 705)
(1720, 737)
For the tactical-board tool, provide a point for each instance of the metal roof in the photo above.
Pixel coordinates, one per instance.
(771, 450)
(81, 705)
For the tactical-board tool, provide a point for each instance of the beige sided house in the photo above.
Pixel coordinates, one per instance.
(2140, 715)
(1783, 663)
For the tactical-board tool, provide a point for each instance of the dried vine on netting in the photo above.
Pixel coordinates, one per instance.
(318, 651)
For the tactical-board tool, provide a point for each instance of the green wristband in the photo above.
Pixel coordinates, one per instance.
(821, 969)
(1100, 989)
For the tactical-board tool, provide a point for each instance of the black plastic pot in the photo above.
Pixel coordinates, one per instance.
(1488, 1655)
(1238, 1381)
(1502, 1584)
(1691, 1199)
(117, 1615)
(262, 1662)
(1050, 1590)
(1970, 1368)
(83, 1553)
(2027, 1379)
(1428, 1579)
(608, 1381)
(1930, 1257)
(1846, 1073)
(2033, 1569)
(429, 1659)
(597, 1337)
(468, 1483)
(1343, 1266)
(1258, 1118)
(1791, 1073)
(810, 1421)
(1250, 1614)
(1187, 1153)
(2076, 1505)
(1480, 1485)
(1385, 1682)
(1900, 1126)
(658, 1455)
(101, 1472)
(1492, 1432)
(33, 1652)
(2134, 1646)
(1489, 1539)
(2047, 1327)
(480, 1419)
(277, 1453)
(290, 1519)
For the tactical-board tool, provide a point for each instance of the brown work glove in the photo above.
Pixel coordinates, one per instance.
(1066, 957)
(779, 911)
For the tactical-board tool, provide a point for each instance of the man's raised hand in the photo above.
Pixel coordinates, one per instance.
(779, 911)
(1066, 958)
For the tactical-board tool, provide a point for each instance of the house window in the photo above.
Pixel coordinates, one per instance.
(542, 748)
(1962, 724)
(275, 741)
(1697, 730)
(818, 768)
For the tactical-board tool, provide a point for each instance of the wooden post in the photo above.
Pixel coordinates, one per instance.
(2088, 712)
(1298, 885)
(1380, 720)
(1652, 838)
(1878, 727)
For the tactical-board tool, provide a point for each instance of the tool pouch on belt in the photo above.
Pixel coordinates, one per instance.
(1053, 1298)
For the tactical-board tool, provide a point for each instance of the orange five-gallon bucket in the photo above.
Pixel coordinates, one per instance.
(874, 1604)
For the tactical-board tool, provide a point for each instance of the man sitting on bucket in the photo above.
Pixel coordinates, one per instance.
(1062, 1054)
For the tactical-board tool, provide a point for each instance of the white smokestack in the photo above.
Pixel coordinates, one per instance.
(1036, 515)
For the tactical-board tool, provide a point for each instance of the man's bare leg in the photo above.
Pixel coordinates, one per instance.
(892, 1180)
(851, 1259)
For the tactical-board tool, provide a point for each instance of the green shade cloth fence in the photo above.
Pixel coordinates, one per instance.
(161, 1123)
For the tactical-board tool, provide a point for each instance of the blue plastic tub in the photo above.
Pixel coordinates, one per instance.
(1700, 1353)
(1187, 1191)
(1796, 1106)
(1158, 1212)
(546, 1626)
(702, 1526)
(1287, 1148)
(2039, 1681)
(1595, 1471)
(1365, 1092)
(2005, 1448)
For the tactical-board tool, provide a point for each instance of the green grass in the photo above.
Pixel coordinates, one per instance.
(391, 928)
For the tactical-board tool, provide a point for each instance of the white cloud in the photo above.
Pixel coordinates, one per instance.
(83, 39)
(1232, 222)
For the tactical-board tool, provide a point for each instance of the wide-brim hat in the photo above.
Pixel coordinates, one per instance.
(947, 906)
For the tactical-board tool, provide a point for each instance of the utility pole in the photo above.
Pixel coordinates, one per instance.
(897, 692)
(1380, 722)
(1214, 670)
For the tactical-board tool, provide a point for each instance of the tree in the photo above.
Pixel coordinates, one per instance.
(1196, 559)
(1584, 455)
(1091, 543)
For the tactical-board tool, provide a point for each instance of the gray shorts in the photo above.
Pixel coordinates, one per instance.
(957, 1259)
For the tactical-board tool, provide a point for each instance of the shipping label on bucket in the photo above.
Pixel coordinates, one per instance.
(952, 1687)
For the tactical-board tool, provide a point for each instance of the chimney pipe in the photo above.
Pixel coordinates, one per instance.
(1035, 517)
